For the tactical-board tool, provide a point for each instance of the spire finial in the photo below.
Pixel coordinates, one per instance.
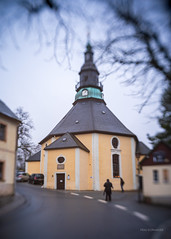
(88, 46)
(88, 35)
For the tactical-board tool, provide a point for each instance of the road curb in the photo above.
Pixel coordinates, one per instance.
(17, 201)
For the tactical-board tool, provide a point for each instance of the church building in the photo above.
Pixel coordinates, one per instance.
(90, 144)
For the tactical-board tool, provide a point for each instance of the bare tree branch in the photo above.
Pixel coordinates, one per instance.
(133, 41)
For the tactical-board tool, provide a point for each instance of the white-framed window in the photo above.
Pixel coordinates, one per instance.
(60, 159)
(115, 142)
(115, 166)
(155, 176)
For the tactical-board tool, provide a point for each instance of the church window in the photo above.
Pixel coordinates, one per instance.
(115, 161)
(2, 132)
(60, 159)
(115, 142)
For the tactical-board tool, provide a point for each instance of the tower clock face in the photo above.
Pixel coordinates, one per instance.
(84, 92)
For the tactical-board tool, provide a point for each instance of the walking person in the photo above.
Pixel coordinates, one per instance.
(122, 183)
(108, 185)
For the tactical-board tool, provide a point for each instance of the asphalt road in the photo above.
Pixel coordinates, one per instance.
(52, 214)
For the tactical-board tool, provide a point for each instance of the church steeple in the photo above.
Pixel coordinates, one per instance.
(89, 85)
(88, 53)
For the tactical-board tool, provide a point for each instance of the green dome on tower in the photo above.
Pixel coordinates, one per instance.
(89, 92)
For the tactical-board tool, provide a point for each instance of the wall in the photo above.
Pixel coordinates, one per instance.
(99, 157)
(33, 167)
(105, 150)
(84, 156)
(69, 155)
(150, 188)
(8, 156)
(86, 139)
(126, 152)
(43, 153)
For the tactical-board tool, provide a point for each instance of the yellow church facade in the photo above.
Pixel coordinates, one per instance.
(90, 144)
(89, 170)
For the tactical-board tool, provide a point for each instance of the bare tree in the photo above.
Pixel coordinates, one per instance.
(25, 145)
(52, 21)
(137, 44)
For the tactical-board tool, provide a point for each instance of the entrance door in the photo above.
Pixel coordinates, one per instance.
(60, 181)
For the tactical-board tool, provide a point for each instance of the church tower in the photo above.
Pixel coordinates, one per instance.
(89, 144)
(89, 85)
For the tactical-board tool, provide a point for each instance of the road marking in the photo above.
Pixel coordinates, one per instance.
(121, 207)
(88, 197)
(103, 201)
(141, 216)
(76, 194)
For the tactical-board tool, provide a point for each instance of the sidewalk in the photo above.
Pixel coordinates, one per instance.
(10, 203)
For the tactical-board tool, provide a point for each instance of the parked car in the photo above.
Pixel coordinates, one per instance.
(22, 177)
(36, 178)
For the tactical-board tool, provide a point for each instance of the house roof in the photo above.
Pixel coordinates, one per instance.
(142, 149)
(89, 115)
(35, 157)
(159, 155)
(67, 141)
(5, 110)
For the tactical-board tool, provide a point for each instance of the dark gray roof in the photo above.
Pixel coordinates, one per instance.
(6, 111)
(34, 158)
(67, 141)
(142, 148)
(89, 115)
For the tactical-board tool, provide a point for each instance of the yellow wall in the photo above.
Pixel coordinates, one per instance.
(84, 156)
(105, 161)
(43, 153)
(33, 167)
(86, 139)
(8, 156)
(105, 151)
(69, 155)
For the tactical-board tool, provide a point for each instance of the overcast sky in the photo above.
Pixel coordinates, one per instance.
(46, 90)
(31, 78)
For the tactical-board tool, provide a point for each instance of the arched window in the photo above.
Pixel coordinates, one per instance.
(115, 164)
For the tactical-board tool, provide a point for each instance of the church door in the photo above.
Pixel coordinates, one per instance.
(60, 177)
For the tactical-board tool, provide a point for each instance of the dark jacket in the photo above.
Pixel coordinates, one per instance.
(108, 186)
(122, 181)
